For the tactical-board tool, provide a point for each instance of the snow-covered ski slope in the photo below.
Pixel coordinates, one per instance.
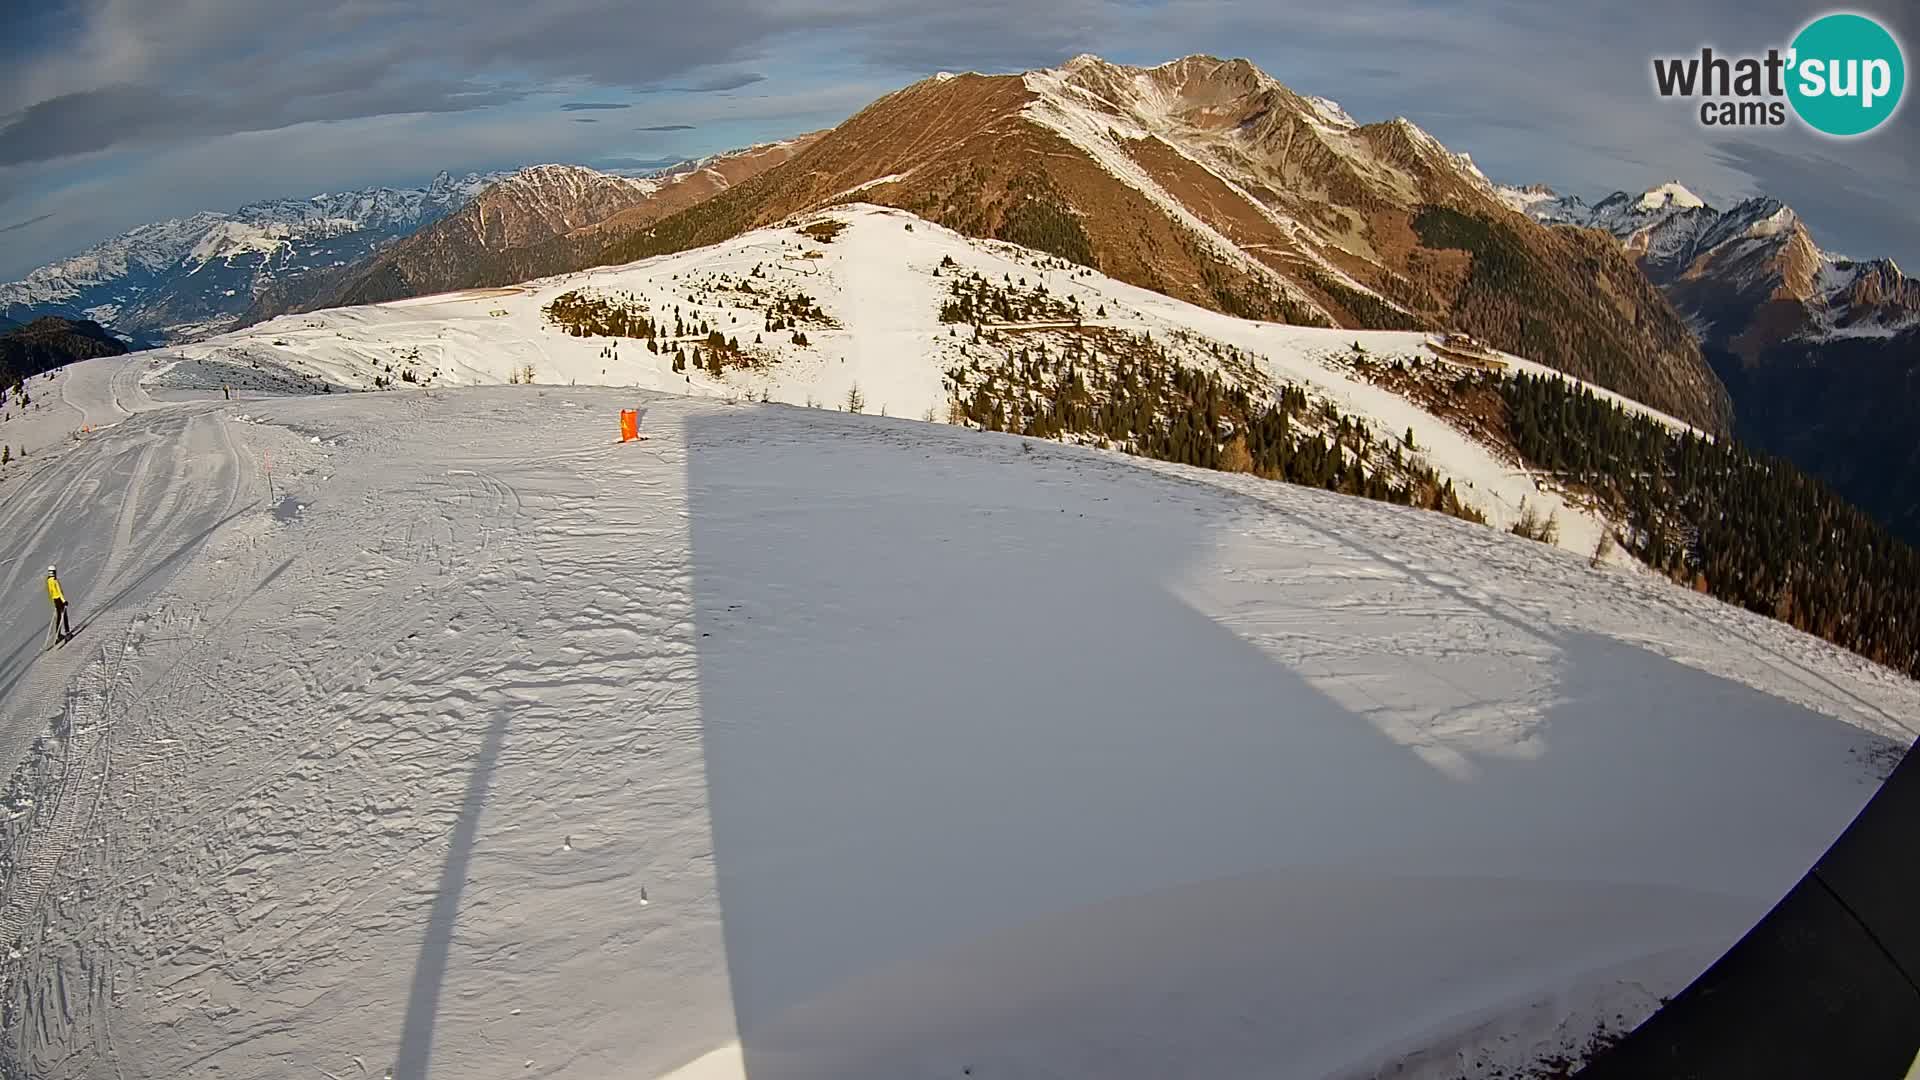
(790, 743)
(882, 281)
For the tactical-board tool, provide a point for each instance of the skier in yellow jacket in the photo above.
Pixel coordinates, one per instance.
(62, 628)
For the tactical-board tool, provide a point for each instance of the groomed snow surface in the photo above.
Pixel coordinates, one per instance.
(794, 744)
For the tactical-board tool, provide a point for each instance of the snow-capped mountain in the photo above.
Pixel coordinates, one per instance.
(1819, 351)
(189, 277)
(1210, 181)
(542, 200)
(1749, 276)
(541, 210)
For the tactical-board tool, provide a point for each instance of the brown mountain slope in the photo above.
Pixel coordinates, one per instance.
(1209, 181)
(696, 184)
(530, 206)
(535, 206)
(1206, 180)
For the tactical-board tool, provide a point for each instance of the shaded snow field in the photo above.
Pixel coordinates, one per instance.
(794, 744)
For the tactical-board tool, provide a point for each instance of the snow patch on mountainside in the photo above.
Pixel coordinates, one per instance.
(567, 185)
(1774, 224)
(146, 247)
(1522, 198)
(867, 185)
(1669, 194)
(1545, 205)
(233, 238)
(1057, 106)
(881, 281)
(1330, 113)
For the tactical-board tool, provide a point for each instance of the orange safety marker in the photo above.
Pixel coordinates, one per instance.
(629, 424)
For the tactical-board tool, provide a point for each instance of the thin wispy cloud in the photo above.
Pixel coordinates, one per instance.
(584, 106)
(667, 127)
(18, 225)
(727, 82)
(712, 85)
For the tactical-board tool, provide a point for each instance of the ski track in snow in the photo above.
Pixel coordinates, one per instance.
(794, 744)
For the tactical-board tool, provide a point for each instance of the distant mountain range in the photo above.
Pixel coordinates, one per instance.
(1204, 179)
(1748, 277)
(191, 277)
(1820, 352)
(186, 279)
(514, 209)
(492, 239)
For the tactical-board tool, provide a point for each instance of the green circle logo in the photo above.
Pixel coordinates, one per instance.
(1847, 74)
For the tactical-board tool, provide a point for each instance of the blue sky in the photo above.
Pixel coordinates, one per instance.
(117, 112)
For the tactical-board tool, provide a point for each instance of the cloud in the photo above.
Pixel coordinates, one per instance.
(1846, 208)
(92, 120)
(30, 222)
(226, 172)
(585, 120)
(726, 82)
(1537, 96)
(712, 84)
(639, 164)
(97, 76)
(109, 97)
(102, 194)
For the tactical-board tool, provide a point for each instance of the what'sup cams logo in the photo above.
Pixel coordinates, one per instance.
(1843, 75)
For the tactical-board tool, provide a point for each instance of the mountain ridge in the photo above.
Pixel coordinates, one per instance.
(1820, 352)
(183, 278)
(533, 207)
(1210, 181)
(870, 308)
(1749, 276)
(50, 342)
(1203, 178)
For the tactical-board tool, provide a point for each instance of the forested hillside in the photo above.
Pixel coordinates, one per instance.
(1748, 528)
(50, 342)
